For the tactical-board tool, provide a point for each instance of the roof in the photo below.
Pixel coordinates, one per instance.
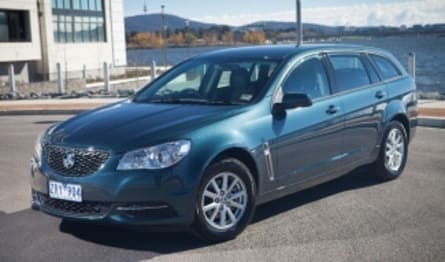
(277, 52)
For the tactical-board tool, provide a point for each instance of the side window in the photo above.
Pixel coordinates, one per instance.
(371, 70)
(308, 78)
(386, 67)
(350, 72)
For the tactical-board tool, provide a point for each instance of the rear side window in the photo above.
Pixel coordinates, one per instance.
(386, 67)
(308, 78)
(349, 71)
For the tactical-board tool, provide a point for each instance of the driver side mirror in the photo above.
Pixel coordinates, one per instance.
(290, 101)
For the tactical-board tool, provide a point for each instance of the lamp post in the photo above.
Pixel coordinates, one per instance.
(299, 24)
(164, 35)
(187, 26)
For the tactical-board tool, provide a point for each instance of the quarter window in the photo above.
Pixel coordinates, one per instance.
(349, 71)
(386, 68)
(308, 78)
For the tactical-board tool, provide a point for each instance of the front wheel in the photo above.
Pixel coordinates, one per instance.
(225, 202)
(393, 152)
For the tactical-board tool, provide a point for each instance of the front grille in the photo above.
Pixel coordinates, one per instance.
(86, 162)
(73, 209)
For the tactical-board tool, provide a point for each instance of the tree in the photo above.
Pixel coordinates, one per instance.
(177, 39)
(147, 40)
(210, 38)
(190, 38)
(254, 38)
(227, 38)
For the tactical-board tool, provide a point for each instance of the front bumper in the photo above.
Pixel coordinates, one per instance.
(127, 198)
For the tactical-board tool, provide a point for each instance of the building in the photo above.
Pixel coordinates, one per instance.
(80, 35)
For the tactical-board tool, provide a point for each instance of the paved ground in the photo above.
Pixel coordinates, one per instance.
(349, 219)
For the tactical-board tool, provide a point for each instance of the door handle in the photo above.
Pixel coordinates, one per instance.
(380, 94)
(332, 109)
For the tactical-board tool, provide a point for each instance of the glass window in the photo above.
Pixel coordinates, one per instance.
(69, 29)
(62, 31)
(99, 5)
(76, 4)
(83, 21)
(92, 5)
(67, 4)
(14, 26)
(371, 71)
(101, 29)
(78, 29)
(54, 3)
(60, 4)
(308, 78)
(86, 29)
(349, 72)
(94, 29)
(386, 67)
(84, 4)
(4, 31)
(56, 28)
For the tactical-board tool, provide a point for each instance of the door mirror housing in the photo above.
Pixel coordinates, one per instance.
(292, 100)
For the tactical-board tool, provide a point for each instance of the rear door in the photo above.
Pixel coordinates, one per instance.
(363, 99)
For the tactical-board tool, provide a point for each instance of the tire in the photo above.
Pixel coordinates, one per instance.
(383, 168)
(222, 216)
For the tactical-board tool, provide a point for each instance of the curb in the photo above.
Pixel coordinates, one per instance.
(42, 112)
(436, 122)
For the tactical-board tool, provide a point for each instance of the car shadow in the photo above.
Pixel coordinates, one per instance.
(158, 240)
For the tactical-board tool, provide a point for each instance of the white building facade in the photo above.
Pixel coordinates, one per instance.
(80, 35)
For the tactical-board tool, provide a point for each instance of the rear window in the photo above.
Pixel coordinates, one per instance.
(387, 68)
(350, 72)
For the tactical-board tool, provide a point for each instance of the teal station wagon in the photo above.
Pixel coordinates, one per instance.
(222, 132)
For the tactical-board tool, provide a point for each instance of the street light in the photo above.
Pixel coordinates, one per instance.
(164, 38)
(187, 26)
(299, 24)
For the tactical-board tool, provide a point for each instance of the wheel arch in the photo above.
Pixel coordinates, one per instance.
(243, 156)
(396, 111)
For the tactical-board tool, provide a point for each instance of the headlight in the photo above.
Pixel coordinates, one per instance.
(155, 157)
(38, 149)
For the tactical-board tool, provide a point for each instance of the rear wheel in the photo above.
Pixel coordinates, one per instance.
(226, 201)
(393, 152)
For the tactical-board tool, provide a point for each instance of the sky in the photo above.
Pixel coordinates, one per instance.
(334, 12)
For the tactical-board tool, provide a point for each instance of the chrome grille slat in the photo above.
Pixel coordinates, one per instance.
(87, 162)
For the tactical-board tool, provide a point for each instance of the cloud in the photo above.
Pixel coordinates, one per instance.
(369, 14)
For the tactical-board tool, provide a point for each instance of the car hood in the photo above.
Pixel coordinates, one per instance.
(126, 125)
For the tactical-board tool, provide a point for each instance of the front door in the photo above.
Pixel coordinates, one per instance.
(309, 140)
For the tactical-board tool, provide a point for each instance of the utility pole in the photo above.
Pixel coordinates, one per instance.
(164, 35)
(299, 24)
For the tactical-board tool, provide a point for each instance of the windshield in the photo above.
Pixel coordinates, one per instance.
(210, 82)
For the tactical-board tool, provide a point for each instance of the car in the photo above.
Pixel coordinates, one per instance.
(218, 134)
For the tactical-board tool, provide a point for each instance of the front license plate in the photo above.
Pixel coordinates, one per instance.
(63, 191)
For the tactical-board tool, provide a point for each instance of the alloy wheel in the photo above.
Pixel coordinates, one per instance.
(394, 150)
(224, 201)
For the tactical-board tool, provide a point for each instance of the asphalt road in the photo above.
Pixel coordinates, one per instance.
(353, 218)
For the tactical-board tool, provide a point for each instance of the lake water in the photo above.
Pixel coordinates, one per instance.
(430, 57)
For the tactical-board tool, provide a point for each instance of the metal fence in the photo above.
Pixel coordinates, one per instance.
(102, 80)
